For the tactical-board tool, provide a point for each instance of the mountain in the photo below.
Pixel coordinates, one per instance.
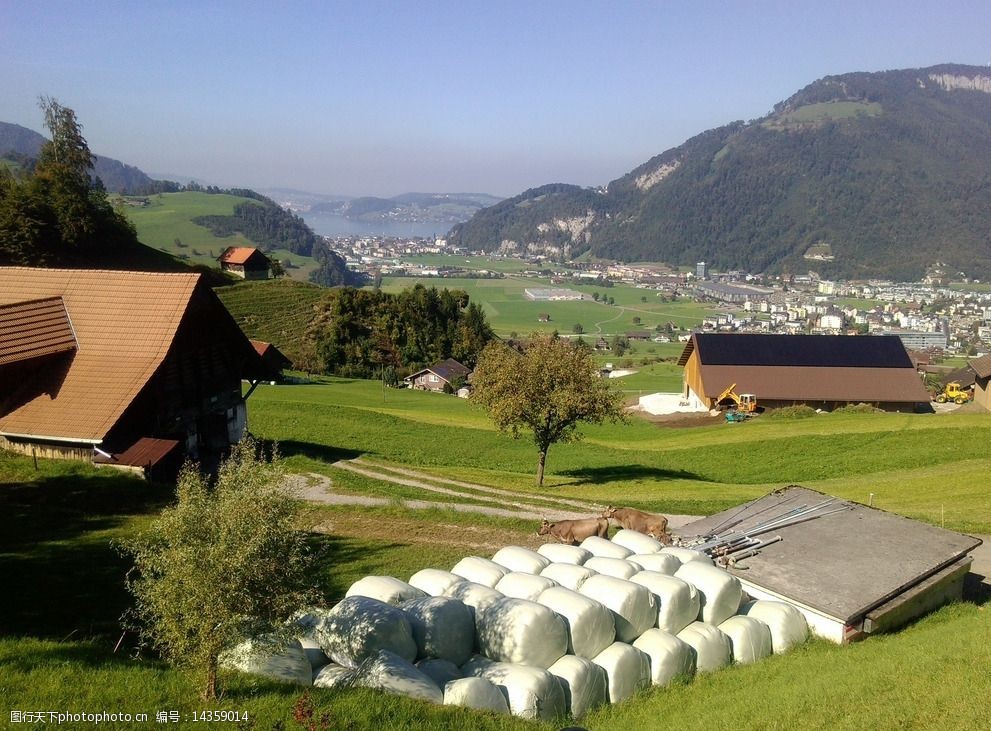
(856, 175)
(420, 207)
(116, 176)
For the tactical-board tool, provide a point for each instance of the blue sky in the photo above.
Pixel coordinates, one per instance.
(379, 98)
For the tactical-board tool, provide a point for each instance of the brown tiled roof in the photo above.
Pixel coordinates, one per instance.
(124, 324)
(237, 254)
(810, 384)
(34, 328)
(981, 366)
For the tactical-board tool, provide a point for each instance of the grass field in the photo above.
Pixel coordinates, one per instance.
(169, 216)
(826, 111)
(59, 620)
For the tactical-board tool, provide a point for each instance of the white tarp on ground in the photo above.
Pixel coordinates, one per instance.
(678, 602)
(520, 631)
(392, 674)
(627, 670)
(480, 570)
(618, 567)
(591, 625)
(440, 671)
(669, 656)
(477, 693)
(358, 627)
(563, 553)
(333, 675)
(751, 638)
(521, 560)
(524, 586)
(686, 554)
(583, 682)
(532, 692)
(386, 589)
(442, 627)
(662, 563)
(787, 624)
(720, 591)
(660, 404)
(434, 582)
(568, 575)
(633, 606)
(286, 663)
(713, 650)
(636, 541)
(605, 548)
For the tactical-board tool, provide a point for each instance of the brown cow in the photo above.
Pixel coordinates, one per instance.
(655, 526)
(574, 532)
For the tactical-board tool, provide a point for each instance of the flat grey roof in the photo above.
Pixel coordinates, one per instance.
(842, 564)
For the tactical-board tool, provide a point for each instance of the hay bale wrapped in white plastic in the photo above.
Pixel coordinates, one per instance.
(662, 563)
(563, 553)
(480, 570)
(568, 575)
(523, 586)
(618, 567)
(440, 671)
(392, 674)
(314, 653)
(442, 627)
(386, 589)
(720, 591)
(521, 631)
(358, 627)
(333, 675)
(713, 650)
(634, 607)
(531, 692)
(305, 625)
(268, 658)
(678, 602)
(750, 638)
(478, 693)
(583, 682)
(475, 665)
(627, 670)
(521, 560)
(787, 624)
(669, 656)
(434, 582)
(686, 554)
(591, 625)
(605, 548)
(474, 596)
(637, 542)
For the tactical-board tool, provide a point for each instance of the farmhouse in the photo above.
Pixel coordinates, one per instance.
(822, 371)
(439, 376)
(982, 383)
(97, 361)
(246, 262)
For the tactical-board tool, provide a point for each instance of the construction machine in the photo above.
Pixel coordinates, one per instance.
(953, 392)
(738, 406)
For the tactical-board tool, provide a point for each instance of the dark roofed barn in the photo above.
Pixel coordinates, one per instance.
(822, 371)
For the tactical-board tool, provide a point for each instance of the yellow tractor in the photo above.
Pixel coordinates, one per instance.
(953, 392)
(738, 406)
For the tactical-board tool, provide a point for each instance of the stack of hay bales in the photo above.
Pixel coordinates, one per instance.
(539, 634)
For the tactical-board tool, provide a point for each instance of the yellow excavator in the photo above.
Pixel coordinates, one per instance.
(739, 406)
(953, 392)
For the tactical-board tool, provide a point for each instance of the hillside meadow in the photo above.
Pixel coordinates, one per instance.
(58, 521)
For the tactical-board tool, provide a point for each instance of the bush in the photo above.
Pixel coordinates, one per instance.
(792, 412)
(860, 408)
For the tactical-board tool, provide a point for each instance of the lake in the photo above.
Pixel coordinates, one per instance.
(330, 224)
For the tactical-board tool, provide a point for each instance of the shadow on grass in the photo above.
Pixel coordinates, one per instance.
(616, 473)
(322, 452)
(340, 560)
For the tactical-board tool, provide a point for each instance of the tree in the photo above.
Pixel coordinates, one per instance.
(226, 562)
(595, 296)
(548, 389)
(636, 320)
(578, 329)
(611, 301)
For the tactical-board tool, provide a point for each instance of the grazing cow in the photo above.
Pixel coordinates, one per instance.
(655, 526)
(574, 532)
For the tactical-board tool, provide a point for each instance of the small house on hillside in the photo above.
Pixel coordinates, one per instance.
(274, 358)
(119, 363)
(439, 377)
(821, 371)
(246, 262)
(982, 382)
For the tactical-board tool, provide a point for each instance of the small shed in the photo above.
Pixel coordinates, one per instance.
(246, 262)
(982, 380)
(852, 573)
(274, 358)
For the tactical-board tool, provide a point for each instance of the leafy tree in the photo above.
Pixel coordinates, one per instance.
(578, 329)
(620, 345)
(227, 561)
(636, 320)
(548, 389)
(611, 301)
(595, 296)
